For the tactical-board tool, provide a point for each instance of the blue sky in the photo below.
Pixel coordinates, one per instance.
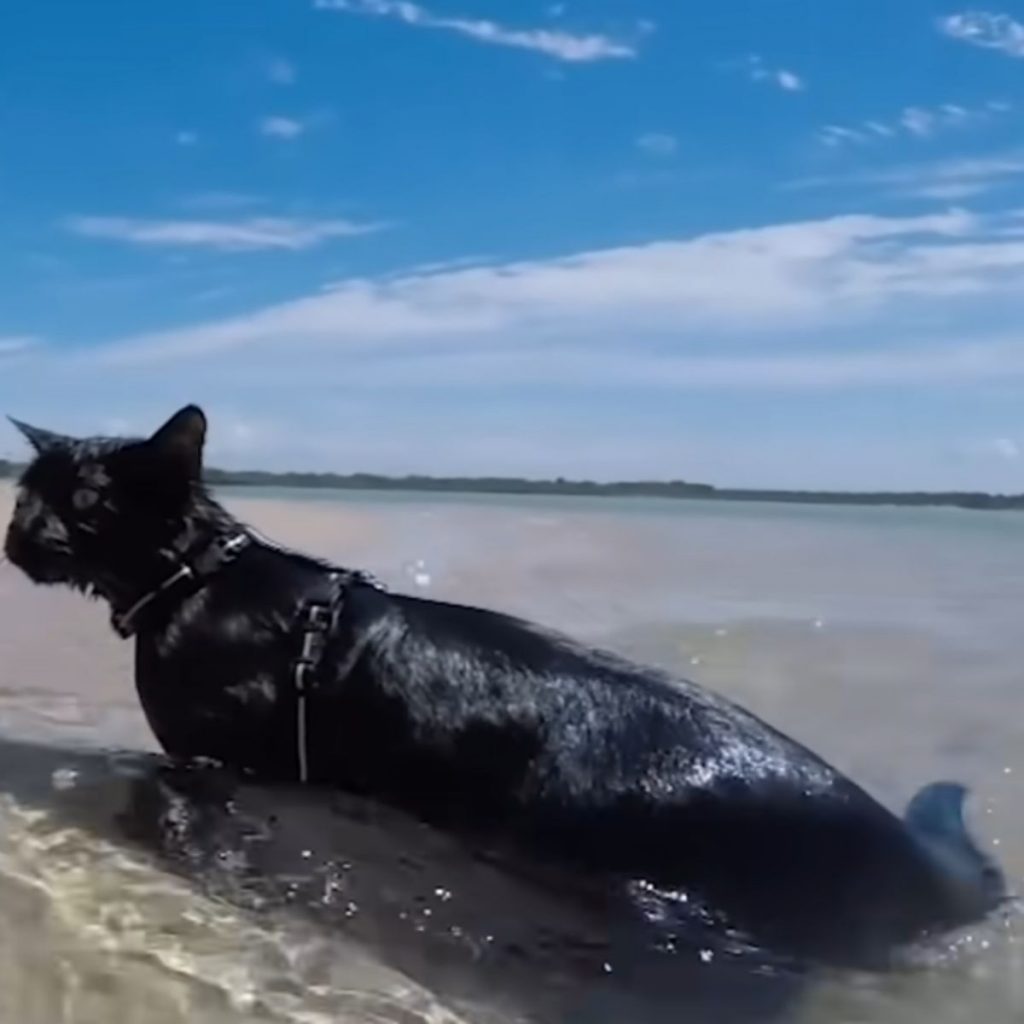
(763, 242)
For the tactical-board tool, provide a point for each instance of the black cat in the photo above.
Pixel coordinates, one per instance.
(283, 666)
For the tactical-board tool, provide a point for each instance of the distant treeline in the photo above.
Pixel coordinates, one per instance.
(589, 488)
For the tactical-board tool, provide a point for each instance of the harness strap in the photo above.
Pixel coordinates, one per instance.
(201, 565)
(317, 616)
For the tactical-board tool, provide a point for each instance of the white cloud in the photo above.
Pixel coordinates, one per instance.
(249, 235)
(835, 135)
(561, 45)
(782, 78)
(185, 138)
(946, 192)
(855, 302)
(987, 30)
(882, 130)
(944, 180)
(787, 276)
(658, 144)
(286, 128)
(917, 122)
(789, 80)
(281, 71)
(920, 122)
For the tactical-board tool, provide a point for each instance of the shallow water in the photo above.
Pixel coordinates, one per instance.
(887, 640)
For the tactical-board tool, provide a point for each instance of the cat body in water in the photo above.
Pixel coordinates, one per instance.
(489, 727)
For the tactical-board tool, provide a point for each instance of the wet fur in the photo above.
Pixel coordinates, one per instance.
(491, 727)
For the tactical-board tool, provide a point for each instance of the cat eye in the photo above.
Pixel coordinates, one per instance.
(84, 499)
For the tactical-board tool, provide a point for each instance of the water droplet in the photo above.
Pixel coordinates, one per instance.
(443, 895)
(819, 623)
(607, 968)
(417, 572)
(306, 854)
(706, 956)
(64, 778)
(695, 660)
(722, 631)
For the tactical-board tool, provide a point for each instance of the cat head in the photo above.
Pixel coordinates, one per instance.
(100, 513)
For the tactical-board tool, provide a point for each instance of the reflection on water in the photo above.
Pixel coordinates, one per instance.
(176, 893)
(886, 640)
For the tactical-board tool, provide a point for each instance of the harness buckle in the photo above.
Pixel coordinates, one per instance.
(318, 618)
(222, 551)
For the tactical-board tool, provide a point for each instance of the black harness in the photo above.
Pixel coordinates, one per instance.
(196, 567)
(315, 618)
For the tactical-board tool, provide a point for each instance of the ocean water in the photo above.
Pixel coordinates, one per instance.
(889, 640)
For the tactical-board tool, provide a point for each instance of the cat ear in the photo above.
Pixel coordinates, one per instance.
(181, 438)
(41, 440)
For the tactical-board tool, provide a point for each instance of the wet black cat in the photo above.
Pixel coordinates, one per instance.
(483, 724)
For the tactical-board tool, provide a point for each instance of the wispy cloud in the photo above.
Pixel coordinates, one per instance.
(280, 71)
(250, 235)
(987, 30)
(788, 308)
(942, 180)
(782, 78)
(556, 43)
(286, 128)
(913, 122)
(659, 144)
(752, 281)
